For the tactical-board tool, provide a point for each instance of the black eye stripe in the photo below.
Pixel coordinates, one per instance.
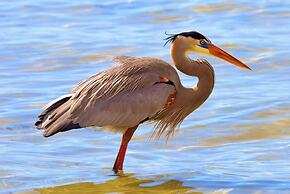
(192, 34)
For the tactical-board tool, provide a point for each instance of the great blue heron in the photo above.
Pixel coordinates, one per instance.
(137, 90)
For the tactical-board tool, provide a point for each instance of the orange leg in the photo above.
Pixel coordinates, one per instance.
(118, 166)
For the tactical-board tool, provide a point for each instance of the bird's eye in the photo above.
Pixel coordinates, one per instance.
(203, 43)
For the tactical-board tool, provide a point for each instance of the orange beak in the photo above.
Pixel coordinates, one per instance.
(216, 51)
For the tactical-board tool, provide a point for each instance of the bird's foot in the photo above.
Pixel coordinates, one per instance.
(118, 172)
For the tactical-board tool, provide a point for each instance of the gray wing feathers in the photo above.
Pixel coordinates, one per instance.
(126, 110)
(123, 95)
(117, 98)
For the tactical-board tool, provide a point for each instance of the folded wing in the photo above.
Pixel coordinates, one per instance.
(118, 98)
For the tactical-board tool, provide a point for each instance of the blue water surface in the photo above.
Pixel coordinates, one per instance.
(237, 142)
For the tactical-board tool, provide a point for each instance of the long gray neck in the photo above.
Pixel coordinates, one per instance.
(202, 70)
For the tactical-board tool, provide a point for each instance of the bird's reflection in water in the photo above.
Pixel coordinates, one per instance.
(124, 184)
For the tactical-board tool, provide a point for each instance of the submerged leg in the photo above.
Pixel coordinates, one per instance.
(118, 166)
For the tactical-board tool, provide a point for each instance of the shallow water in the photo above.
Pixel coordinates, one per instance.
(237, 142)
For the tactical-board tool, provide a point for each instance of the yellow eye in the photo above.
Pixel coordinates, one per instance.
(203, 43)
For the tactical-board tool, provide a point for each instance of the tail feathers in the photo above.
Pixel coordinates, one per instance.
(49, 108)
(50, 131)
(55, 117)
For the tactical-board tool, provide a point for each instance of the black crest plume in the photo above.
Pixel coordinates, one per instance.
(192, 34)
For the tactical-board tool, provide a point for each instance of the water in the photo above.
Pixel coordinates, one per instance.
(237, 142)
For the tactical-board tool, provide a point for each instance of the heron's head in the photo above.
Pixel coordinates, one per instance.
(195, 42)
